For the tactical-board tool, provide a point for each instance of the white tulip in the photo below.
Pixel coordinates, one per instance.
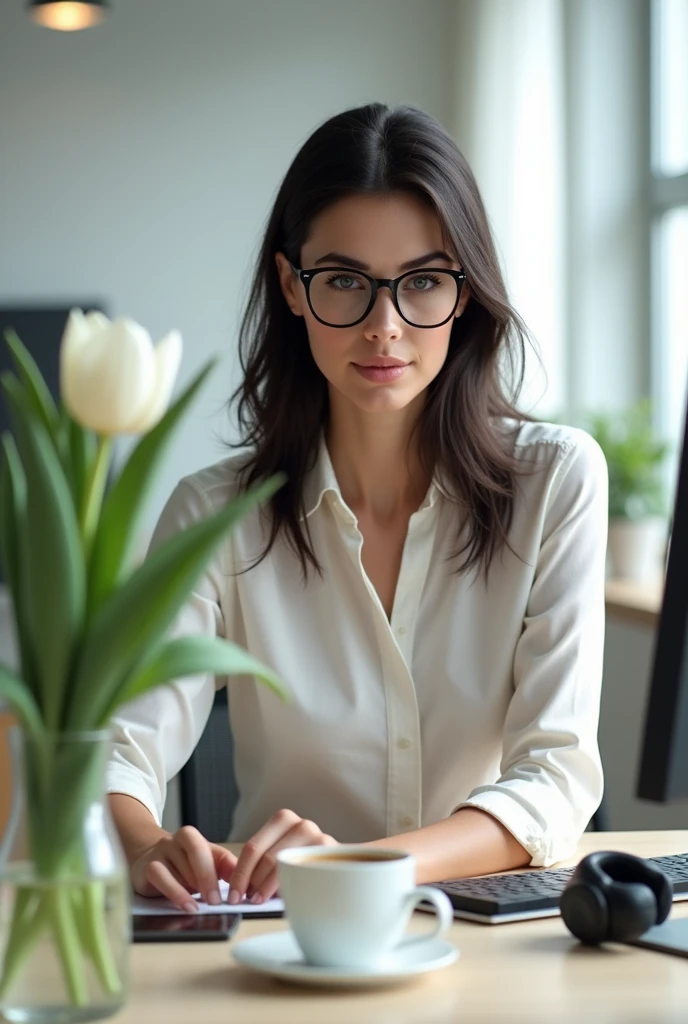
(113, 380)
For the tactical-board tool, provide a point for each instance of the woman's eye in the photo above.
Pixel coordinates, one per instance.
(422, 282)
(343, 282)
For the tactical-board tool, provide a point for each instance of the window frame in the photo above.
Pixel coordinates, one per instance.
(667, 192)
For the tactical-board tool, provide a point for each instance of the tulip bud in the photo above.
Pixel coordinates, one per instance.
(113, 380)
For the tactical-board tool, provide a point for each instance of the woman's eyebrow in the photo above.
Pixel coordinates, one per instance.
(340, 259)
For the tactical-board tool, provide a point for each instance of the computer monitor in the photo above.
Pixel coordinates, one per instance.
(40, 328)
(663, 773)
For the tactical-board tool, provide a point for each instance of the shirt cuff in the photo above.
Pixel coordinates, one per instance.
(544, 849)
(118, 780)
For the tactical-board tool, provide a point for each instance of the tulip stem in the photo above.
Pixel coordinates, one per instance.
(93, 492)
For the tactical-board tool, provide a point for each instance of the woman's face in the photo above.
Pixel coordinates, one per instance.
(380, 235)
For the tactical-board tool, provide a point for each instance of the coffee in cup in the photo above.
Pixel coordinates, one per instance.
(325, 860)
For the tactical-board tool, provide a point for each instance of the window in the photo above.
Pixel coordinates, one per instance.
(669, 68)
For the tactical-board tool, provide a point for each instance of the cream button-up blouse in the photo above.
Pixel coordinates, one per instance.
(471, 695)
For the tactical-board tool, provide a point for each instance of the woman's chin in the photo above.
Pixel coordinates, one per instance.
(382, 400)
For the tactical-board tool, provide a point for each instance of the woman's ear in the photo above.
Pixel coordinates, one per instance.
(290, 284)
(463, 300)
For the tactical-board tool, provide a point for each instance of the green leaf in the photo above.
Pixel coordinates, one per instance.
(82, 452)
(13, 547)
(54, 575)
(189, 655)
(20, 699)
(141, 609)
(116, 535)
(36, 389)
(12, 509)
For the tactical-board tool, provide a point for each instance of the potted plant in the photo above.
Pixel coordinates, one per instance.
(637, 499)
(91, 625)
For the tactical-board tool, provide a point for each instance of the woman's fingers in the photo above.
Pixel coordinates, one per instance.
(179, 864)
(161, 877)
(266, 888)
(199, 855)
(182, 864)
(225, 861)
(255, 849)
(264, 881)
(258, 874)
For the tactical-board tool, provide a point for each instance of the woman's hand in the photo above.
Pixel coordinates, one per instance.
(180, 864)
(255, 874)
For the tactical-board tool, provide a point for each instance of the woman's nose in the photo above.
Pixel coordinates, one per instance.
(383, 319)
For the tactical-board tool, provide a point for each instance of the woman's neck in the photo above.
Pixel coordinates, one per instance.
(376, 462)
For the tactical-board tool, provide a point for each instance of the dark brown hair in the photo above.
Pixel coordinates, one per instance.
(282, 402)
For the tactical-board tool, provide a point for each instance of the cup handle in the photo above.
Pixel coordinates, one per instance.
(444, 914)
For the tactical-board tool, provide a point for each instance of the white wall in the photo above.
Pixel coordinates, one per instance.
(140, 158)
(509, 83)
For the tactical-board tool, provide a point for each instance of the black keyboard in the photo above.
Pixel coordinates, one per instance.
(534, 893)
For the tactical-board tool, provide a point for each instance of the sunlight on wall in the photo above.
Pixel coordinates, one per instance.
(510, 126)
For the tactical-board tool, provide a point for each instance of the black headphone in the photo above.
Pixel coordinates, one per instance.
(615, 896)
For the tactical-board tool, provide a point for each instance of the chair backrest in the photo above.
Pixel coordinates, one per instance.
(207, 788)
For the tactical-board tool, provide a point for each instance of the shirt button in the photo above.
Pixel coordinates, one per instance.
(404, 743)
(401, 631)
(407, 821)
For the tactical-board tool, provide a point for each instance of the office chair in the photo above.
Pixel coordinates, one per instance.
(208, 790)
(600, 819)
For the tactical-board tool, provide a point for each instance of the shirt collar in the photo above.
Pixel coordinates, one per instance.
(321, 480)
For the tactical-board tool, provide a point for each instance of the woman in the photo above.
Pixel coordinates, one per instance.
(430, 581)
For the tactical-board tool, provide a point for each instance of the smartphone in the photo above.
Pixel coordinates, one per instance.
(183, 927)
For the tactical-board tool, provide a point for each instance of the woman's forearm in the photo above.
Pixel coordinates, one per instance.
(469, 842)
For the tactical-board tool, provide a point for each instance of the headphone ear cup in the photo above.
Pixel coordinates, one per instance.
(632, 910)
(615, 896)
(584, 910)
(663, 889)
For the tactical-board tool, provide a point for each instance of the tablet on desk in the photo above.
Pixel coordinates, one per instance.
(183, 927)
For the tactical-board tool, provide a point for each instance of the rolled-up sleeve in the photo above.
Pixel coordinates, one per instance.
(154, 735)
(551, 780)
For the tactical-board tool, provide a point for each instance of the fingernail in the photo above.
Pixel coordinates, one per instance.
(190, 906)
(257, 898)
(234, 896)
(214, 898)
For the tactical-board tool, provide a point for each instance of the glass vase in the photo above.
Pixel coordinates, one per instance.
(65, 915)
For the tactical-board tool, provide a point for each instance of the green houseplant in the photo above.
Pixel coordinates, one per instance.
(635, 458)
(92, 633)
(637, 500)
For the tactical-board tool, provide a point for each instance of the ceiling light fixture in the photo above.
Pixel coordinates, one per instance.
(68, 15)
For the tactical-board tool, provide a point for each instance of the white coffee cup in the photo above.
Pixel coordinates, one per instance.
(348, 906)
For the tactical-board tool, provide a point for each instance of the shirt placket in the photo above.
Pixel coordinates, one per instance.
(405, 776)
(396, 640)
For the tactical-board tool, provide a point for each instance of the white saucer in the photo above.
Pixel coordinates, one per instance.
(278, 954)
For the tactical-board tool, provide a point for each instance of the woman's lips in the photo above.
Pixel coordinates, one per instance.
(381, 374)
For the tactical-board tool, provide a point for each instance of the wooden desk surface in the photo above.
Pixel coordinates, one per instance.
(532, 971)
(636, 603)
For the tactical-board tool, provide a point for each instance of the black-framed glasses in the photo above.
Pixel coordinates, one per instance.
(339, 297)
